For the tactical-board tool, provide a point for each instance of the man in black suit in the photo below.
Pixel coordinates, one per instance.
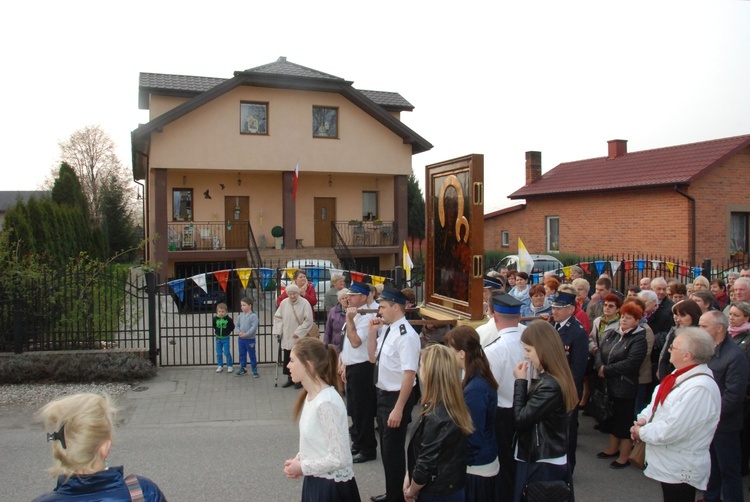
(575, 341)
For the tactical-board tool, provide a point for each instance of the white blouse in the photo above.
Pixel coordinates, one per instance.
(324, 437)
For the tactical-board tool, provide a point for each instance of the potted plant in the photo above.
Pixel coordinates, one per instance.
(278, 233)
(353, 222)
(378, 221)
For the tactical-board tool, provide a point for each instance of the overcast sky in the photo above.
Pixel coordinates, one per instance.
(497, 78)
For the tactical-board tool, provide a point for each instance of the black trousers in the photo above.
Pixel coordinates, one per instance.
(393, 443)
(677, 492)
(572, 440)
(504, 435)
(361, 403)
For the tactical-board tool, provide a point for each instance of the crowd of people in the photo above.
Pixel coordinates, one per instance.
(499, 404)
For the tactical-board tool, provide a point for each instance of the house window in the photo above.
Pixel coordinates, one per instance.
(369, 205)
(505, 238)
(738, 242)
(553, 234)
(325, 122)
(182, 204)
(253, 118)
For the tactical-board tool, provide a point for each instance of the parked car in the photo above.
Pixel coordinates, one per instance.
(542, 263)
(206, 300)
(318, 272)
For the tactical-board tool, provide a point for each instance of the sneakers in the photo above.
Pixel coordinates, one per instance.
(219, 369)
(255, 373)
(230, 369)
(240, 372)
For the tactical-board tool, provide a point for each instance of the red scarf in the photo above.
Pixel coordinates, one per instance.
(666, 385)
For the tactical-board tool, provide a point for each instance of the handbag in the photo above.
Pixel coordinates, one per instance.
(602, 405)
(314, 331)
(547, 491)
(637, 457)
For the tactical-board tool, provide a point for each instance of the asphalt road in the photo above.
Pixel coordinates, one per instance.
(206, 437)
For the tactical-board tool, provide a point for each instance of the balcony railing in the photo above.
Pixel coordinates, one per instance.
(358, 234)
(207, 235)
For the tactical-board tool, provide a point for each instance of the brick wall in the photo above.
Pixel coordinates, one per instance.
(655, 221)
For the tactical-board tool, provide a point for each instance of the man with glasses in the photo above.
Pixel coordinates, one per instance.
(730, 368)
(741, 293)
(575, 341)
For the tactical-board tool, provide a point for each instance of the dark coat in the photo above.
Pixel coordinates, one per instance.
(541, 420)
(437, 454)
(103, 486)
(576, 344)
(622, 359)
(481, 399)
(662, 320)
(730, 367)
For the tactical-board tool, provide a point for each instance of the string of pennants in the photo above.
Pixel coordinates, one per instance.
(314, 275)
(681, 270)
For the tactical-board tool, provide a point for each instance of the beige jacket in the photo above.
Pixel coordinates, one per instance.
(285, 322)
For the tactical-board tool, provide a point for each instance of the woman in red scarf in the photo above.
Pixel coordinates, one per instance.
(679, 424)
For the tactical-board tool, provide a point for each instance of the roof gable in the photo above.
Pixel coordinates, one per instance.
(280, 74)
(675, 165)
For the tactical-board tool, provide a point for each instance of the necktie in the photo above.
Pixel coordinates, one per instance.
(377, 359)
(557, 326)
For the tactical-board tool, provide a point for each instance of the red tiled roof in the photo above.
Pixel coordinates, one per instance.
(674, 165)
(511, 209)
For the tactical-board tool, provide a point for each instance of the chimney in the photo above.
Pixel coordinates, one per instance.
(617, 148)
(533, 167)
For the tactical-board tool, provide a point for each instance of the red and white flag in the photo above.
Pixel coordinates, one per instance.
(295, 180)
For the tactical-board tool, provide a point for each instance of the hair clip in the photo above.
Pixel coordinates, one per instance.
(57, 436)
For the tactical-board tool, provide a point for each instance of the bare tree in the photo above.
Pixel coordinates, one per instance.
(91, 153)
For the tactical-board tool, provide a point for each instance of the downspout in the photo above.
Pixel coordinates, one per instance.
(692, 224)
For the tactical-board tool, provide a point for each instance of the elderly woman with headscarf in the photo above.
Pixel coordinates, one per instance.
(679, 424)
(292, 321)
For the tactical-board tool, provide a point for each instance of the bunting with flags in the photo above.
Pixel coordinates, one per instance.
(244, 274)
(200, 280)
(223, 277)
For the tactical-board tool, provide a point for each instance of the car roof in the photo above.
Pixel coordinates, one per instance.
(311, 262)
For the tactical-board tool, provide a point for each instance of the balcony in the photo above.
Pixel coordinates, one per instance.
(359, 234)
(207, 235)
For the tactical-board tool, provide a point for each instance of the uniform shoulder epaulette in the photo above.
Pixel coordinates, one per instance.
(402, 328)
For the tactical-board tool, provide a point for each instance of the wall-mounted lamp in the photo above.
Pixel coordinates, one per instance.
(239, 179)
(330, 181)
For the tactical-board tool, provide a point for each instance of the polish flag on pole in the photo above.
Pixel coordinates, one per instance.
(295, 180)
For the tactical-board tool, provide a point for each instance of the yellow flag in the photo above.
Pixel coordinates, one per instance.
(566, 271)
(244, 275)
(525, 263)
(407, 263)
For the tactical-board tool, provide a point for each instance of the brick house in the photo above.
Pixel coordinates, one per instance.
(689, 202)
(217, 159)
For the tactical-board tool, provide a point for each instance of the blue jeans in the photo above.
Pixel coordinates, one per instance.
(725, 482)
(247, 346)
(222, 349)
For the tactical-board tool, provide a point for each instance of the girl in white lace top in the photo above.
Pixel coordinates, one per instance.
(324, 457)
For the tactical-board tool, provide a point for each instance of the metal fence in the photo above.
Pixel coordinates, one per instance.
(628, 269)
(74, 309)
(126, 309)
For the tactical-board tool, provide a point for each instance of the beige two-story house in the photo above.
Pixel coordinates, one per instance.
(218, 159)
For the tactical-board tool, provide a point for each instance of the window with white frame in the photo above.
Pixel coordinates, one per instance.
(369, 205)
(553, 234)
(505, 238)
